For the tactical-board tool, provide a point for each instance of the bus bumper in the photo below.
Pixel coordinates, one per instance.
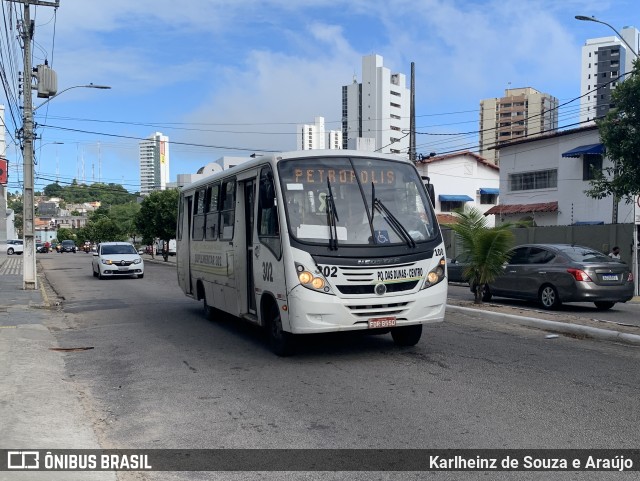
(313, 312)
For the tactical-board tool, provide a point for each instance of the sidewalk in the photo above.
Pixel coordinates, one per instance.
(39, 408)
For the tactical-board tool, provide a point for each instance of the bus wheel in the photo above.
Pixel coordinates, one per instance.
(407, 335)
(208, 310)
(281, 342)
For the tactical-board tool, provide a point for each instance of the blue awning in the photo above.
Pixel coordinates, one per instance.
(589, 222)
(591, 149)
(454, 198)
(489, 190)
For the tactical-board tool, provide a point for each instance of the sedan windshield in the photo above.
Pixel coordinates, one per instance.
(118, 249)
(356, 201)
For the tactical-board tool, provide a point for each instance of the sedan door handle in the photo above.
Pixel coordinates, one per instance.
(542, 272)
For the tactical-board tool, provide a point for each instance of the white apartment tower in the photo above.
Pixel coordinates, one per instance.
(605, 63)
(377, 109)
(313, 136)
(154, 163)
(522, 112)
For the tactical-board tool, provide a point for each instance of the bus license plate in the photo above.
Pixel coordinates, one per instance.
(378, 322)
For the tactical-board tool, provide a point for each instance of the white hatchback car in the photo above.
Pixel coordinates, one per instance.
(114, 259)
(15, 246)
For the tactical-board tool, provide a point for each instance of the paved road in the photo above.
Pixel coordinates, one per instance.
(160, 375)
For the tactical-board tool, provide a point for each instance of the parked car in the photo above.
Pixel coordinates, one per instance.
(15, 246)
(117, 259)
(456, 267)
(68, 246)
(557, 273)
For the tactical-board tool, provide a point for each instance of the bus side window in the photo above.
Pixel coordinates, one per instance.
(199, 215)
(180, 217)
(228, 209)
(212, 213)
(268, 225)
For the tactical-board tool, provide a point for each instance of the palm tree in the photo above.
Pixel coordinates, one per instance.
(488, 248)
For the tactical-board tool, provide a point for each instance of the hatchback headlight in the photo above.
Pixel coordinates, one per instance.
(137, 261)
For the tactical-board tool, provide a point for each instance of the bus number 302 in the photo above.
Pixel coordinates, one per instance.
(267, 272)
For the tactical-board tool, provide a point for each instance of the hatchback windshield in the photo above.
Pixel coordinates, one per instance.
(356, 201)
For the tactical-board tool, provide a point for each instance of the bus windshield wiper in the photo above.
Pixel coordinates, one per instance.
(393, 221)
(332, 218)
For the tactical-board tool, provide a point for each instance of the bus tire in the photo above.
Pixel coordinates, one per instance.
(407, 335)
(282, 343)
(207, 309)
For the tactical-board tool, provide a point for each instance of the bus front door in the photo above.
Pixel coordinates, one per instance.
(249, 204)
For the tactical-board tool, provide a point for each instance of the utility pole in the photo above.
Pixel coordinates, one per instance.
(412, 116)
(30, 280)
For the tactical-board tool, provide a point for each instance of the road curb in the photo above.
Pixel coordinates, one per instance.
(555, 326)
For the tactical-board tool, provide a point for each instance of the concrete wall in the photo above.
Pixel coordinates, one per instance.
(599, 237)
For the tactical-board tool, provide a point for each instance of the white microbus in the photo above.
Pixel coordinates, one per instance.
(315, 241)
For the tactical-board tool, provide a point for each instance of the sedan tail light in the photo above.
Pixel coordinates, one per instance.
(579, 275)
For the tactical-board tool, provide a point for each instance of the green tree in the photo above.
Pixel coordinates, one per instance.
(64, 234)
(620, 134)
(487, 247)
(14, 202)
(104, 229)
(125, 216)
(53, 190)
(158, 215)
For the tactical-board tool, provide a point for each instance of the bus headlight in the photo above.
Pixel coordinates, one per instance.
(315, 282)
(436, 274)
(305, 277)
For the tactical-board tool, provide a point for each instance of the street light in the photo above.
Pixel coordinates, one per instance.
(29, 277)
(89, 86)
(594, 19)
(636, 222)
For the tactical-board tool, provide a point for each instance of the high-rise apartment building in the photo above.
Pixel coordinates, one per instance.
(314, 136)
(377, 109)
(606, 61)
(522, 112)
(154, 163)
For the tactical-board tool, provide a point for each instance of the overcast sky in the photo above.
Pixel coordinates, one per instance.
(233, 77)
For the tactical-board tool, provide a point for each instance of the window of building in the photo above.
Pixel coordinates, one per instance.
(397, 94)
(540, 179)
(394, 105)
(450, 206)
(591, 166)
(488, 198)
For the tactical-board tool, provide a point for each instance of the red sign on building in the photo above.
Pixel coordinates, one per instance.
(3, 172)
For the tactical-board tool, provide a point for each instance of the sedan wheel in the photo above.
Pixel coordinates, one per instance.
(10, 251)
(548, 297)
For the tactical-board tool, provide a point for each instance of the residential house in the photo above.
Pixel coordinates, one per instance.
(460, 179)
(544, 179)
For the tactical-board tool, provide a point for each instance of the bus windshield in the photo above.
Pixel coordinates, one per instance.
(355, 201)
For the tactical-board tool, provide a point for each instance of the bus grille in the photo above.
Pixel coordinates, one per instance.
(369, 288)
(362, 280)
(379, 310)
